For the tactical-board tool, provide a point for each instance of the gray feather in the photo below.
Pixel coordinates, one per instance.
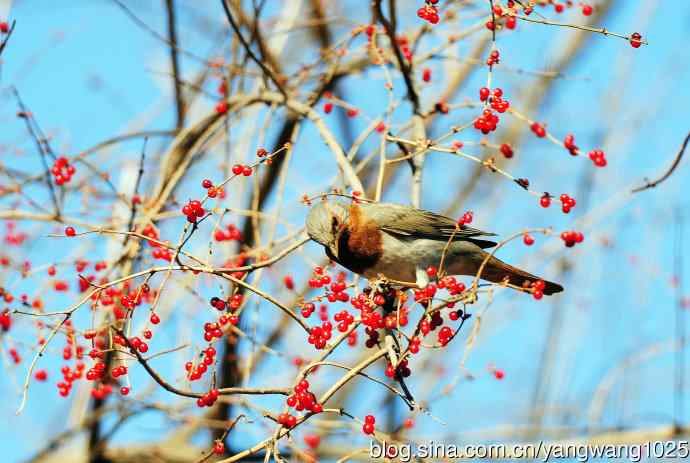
(406, 221)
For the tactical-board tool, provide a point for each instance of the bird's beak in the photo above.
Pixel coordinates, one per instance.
(336, 240)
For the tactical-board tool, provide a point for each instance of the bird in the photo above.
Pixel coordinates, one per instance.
(401, 242)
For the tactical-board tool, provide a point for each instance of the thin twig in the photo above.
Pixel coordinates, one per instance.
(668, 173)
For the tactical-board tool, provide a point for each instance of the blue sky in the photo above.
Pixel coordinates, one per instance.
(88, 72)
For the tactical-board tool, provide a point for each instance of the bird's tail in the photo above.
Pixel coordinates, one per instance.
(497, 271)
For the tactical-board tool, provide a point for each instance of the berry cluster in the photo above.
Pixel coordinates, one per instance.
(307, 309)
(208, 399)
(509, 20)
(452, 285)
(402, 370)
(69, 376)
(94, 373)
(570, 238)
(150, 232)
(498, 103)
(208, 359)
(193, 210)
(303, 399)
(369, 422)
(62, 171)
(567, 203)
(466, 219)
(212, 331)
(425, 295)
(427, 325)
(598, 158)
(217, 303)
(537, 289)
(231, 233)
(344, 319)
(338, 292)
(538, 129)
(445, 334)
(163, 254)
(211, 190)
(242, 169)
(413, 347)
(429, 12)
(569, 143)
(319, 335)
(320, 279)
(235, 301)
(118, 371)
(494, 58)
(287, 420)
(101, 391)
(487, 122)
(218, 448)
(137, 344)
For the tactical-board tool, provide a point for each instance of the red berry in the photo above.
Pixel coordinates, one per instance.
(312, 440)
(484, 93)
(237, 169)
(219, 448)
(587, 10)
(69, 231)
(507, 150)
(4, 27)
(426, 75)
(368, 428)
(206, 183)
(291, 421)
(222, 107)
(635, 40)
(124, 390)
(528, 240)
(545, 200)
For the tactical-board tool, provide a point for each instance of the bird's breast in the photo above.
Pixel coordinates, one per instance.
(360, 243)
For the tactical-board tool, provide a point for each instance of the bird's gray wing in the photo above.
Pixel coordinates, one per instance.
(406, 221)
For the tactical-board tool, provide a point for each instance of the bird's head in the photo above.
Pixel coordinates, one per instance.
(325, 221)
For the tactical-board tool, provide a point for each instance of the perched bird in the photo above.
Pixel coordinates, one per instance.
(401, 242)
